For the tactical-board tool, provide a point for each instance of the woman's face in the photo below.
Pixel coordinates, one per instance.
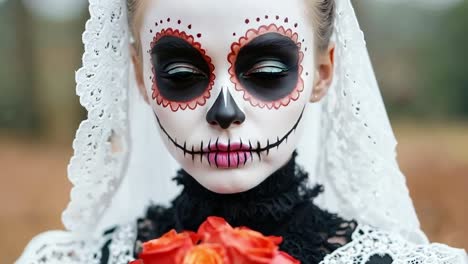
(229, 82)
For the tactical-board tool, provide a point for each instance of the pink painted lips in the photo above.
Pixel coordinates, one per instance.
(228, 156)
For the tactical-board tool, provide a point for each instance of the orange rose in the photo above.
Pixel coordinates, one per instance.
(242, 244)
(206, 254)
(166, 249)
(220, 243)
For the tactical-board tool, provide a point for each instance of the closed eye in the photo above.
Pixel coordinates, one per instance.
(183, 71)
(267, 68)
(182, 68)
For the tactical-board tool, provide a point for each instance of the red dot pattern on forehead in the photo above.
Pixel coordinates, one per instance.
(199, 101)
(277, 17)
(160, 22)
(244, 40)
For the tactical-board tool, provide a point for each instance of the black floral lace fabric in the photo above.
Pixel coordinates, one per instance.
(282, 206)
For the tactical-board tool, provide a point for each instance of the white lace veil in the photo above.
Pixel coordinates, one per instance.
(120, 164)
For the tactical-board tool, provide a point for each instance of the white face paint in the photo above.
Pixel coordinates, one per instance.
(228, 84)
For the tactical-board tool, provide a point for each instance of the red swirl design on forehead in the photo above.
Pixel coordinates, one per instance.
(244, 40)
(176, 105)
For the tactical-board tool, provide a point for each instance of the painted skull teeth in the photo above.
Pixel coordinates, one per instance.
(235, 154)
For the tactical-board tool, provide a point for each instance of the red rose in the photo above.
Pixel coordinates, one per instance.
(212, 225)
(243, 245)
(216, 242)
(168, 248)
(284, 258)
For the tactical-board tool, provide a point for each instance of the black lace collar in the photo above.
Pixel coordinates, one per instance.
(281, 205)
(271, 201)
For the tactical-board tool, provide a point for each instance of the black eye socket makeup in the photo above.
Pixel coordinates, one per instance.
(267, 66)
(181, 72)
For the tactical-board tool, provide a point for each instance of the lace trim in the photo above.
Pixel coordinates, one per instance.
(64, 247)
(95, 169)
(123, 244)
(368, 242)
(61, 247)
(357, 161)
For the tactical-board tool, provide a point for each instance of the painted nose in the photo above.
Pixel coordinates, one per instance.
(225, 112)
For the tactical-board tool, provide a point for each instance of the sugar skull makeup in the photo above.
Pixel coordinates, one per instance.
(229, 84)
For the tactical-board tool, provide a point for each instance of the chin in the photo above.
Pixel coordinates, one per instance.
(229, 181)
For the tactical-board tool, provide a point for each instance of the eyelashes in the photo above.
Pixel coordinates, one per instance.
(267, 69)
(265, 65)
(182, 72)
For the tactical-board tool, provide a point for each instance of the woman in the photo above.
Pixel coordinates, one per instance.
(234, 89)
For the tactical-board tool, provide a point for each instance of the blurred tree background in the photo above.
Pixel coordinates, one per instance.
(419, 52)
(40, 51)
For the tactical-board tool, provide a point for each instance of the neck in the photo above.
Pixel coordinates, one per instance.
(262, 207)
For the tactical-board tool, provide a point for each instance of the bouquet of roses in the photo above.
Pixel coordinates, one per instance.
(215, 242)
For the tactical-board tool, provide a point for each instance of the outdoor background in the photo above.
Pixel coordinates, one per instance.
(418, 48)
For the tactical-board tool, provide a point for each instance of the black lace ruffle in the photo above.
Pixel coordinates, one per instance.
(281, 205)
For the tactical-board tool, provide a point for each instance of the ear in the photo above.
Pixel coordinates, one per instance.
(136, 60)
(323, 76)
